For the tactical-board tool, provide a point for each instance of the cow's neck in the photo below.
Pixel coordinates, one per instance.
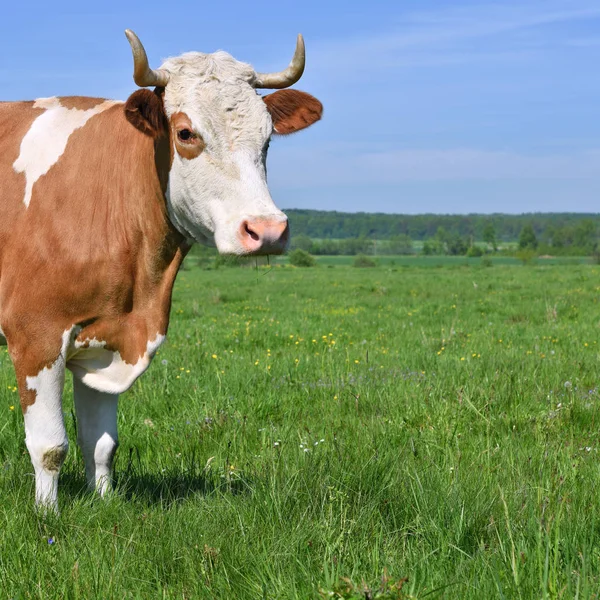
(153, 253)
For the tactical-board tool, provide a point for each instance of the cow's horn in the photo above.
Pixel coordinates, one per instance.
(143, 75)
(288, 77)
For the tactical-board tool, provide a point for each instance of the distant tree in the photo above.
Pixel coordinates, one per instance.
(353, 246)
(457, 246)
(428, 248)
(301, 241)
(327, 247)
(558, 237)
(399, 244)
(432, 247)
(584, 235)
(442, 236)
(489, 235)
(527, 239)
(475, 251)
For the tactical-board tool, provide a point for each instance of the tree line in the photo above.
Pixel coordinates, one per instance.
(472, 235)
(318, 224)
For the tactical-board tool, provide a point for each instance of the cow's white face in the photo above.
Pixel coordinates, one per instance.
(220, 131)
(220, 128)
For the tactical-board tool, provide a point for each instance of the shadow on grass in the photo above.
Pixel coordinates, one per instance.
(160, 486)
(170, 488)
(157, 488)
(167, 486)
(72, 484)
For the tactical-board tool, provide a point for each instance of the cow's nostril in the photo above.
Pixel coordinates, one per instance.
(263, 235)
(250, 232)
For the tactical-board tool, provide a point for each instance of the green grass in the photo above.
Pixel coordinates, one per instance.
(302, 426)
(444, 261)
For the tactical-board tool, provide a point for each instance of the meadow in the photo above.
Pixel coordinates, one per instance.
(333, 432)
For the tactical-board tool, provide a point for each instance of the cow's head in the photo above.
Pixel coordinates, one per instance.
(219, 130)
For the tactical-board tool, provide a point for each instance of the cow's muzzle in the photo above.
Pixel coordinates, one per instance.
(260, 236)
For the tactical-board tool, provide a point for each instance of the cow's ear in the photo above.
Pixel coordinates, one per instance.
(292, 110)
(145, 111)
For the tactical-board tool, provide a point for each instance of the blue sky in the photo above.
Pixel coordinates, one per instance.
(430, 106)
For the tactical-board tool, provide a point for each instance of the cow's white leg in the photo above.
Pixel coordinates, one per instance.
(96, 433)
(45, 435)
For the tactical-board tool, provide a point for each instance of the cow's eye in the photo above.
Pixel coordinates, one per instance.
(185, 135)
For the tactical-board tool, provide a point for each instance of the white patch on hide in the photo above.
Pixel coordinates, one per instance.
(104, 370)
(47, 138)
(44, 425)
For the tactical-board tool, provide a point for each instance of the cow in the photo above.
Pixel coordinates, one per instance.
(100, 201)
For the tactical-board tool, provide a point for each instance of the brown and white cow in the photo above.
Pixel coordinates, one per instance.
(99, 202)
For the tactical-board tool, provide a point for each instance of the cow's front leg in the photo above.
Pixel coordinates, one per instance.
(96, 433)
(45, 435)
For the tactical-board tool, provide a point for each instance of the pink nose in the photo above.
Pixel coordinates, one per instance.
(264, 236)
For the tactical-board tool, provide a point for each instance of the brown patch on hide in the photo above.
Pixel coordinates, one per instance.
(16, 119)
(80, 102)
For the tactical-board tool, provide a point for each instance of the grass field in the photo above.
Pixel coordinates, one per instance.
(436, 262)
(447, 261)
(306, 432)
